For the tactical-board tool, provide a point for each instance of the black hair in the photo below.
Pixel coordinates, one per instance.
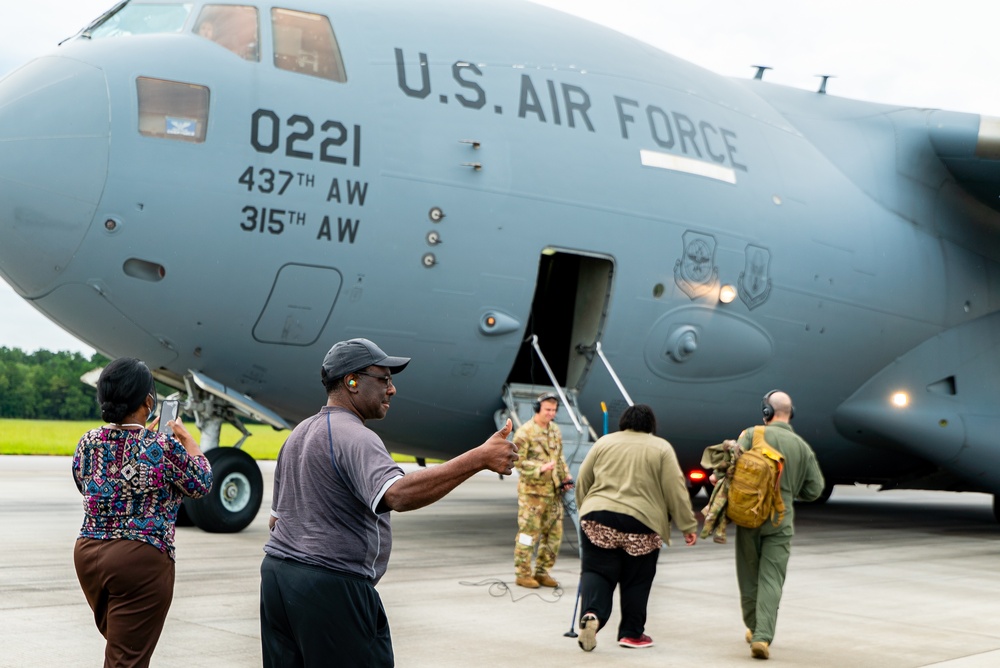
(638, 418)
(122, 387)
(331, 383)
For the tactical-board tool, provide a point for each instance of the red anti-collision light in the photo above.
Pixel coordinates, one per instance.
(697, 476)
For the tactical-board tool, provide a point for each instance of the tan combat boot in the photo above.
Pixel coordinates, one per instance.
(760, 650)
(546, 580)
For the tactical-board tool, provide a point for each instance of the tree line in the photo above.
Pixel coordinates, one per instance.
(44, 385)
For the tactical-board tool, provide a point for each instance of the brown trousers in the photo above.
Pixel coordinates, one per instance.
(129, 585)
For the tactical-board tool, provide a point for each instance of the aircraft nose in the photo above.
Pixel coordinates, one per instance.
(54, 143)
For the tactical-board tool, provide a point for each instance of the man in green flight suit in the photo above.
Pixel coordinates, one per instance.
(543, 477)
(762, 553)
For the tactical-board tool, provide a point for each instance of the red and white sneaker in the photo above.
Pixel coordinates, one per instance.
(636, 643)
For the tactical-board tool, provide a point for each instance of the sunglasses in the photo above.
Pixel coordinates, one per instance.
(387, 378)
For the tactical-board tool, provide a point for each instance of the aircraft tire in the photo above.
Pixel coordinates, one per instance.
(183, 518)
(237, 492)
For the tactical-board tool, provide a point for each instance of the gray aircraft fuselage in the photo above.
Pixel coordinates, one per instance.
(502, 160)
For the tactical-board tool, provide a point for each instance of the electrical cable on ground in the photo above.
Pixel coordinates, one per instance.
(497, 589)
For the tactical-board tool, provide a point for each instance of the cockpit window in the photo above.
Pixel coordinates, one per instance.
(172, 109)
(138, 18)
(305, 43)
(233, 27)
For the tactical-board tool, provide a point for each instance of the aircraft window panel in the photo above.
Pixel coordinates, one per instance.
(172, 109)
(305, 43)
(233, 27)
(139, 18)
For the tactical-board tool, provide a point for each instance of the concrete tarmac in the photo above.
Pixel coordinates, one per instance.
(887, 579)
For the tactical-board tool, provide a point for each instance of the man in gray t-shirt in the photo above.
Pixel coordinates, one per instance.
(334, 486)
(332, 461)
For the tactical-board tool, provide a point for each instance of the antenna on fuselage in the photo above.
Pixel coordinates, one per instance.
(759, 76)
(822, 84)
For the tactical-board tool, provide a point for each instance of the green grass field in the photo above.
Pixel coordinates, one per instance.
(56, 437)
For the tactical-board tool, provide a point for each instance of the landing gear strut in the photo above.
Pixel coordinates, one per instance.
(238, 486)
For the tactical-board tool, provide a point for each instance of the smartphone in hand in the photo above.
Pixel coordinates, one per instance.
(168, 412)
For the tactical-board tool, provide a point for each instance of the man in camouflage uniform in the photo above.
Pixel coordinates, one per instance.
(543, 477)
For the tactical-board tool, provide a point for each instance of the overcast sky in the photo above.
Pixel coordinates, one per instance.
(925, 54)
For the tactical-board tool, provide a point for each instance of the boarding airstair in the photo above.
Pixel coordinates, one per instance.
(577, 433)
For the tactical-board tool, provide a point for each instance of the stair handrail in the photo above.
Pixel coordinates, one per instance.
(555, 384)
(614, 376)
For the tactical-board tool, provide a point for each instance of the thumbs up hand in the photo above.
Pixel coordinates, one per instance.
(498, 453)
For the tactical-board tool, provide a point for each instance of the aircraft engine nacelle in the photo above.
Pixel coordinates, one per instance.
(938, 402)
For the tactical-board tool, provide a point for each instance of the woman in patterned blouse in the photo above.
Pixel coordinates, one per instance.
(133, 480)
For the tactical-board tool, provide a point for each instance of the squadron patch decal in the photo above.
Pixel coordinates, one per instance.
(695, 273)
(755, 282)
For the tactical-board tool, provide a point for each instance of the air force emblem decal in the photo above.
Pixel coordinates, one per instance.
(755, 281)
(695, 273)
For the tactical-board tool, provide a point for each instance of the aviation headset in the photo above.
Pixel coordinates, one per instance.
(536, 405)
(767, 410)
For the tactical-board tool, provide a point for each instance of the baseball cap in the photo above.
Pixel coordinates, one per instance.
(356, 354)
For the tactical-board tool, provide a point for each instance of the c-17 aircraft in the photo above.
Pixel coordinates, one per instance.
(518, 200)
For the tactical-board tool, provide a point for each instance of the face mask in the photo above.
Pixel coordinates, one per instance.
(152, 413)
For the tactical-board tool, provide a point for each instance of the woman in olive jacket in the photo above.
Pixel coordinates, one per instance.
(629, 489)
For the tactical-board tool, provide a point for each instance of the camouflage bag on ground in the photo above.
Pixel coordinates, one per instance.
(755, 490)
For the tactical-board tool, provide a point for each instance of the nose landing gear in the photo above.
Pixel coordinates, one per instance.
(238, 486)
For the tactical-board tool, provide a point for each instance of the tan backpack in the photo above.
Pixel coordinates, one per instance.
(755, 490)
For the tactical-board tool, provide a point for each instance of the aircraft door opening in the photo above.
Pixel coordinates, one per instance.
(568, 311)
